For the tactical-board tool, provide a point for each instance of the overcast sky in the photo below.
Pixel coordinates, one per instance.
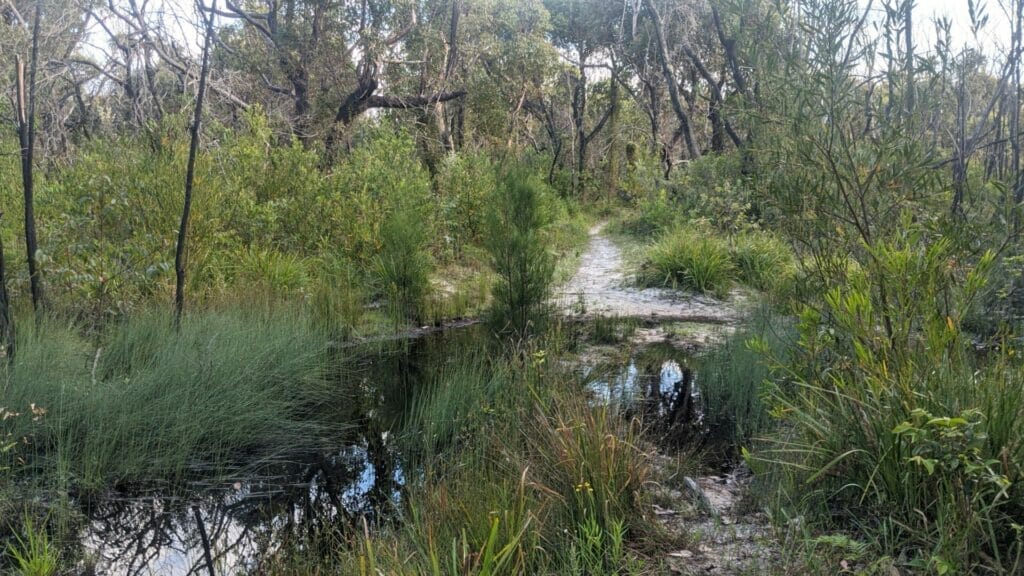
(993, 39)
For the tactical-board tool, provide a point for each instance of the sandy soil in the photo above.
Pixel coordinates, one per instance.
(601, 288)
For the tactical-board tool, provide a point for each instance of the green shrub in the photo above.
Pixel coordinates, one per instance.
(517, 245)
(763, 261)
(690, 258)
(889, 416)
(464, 183)
(403, 266)
(653, 215)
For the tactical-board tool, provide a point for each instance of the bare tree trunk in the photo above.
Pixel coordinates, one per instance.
(180, 253)
(6, 321)
(579, 117)
(1018, 181)
(673, 90)
(27, 136)
(910, 96)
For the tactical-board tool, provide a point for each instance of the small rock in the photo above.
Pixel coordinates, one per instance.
(681, 554)
(659, 511)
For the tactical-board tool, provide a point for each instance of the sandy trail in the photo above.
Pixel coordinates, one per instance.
(605, 290)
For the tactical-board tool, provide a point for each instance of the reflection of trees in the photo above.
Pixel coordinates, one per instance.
(298, 501)
(670, 404)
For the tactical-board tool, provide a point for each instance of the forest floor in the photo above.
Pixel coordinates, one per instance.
(711, 514)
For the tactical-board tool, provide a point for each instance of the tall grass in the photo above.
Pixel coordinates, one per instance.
(520, 476)
(150, 403)
(698, 258)
(731, 378)
(691, 259)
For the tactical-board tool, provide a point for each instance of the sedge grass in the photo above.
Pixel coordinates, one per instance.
(152, 403)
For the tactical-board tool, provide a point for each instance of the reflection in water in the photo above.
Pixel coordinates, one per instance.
(663, 392)
(242, 522)
(245, 520)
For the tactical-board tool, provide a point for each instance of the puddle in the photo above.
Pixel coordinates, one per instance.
(241, 521)
(658, 384)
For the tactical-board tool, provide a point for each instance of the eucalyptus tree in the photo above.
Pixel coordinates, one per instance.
(585, 32)
(327, 61)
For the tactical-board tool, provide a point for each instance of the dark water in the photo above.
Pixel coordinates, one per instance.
(659, 385)
(242, 520)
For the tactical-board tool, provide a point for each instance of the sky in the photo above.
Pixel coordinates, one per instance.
(993, 39)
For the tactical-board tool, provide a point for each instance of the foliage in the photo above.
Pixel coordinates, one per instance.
(763, 260)
(151, 403)
(891, 418)
(690, 258)
(732, 379)
(561, 496)
(516, 242)
(403, 266)
(33, 553)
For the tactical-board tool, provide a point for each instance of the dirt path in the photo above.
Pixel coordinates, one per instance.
(601, 288)
(706, 512)
(723, 536)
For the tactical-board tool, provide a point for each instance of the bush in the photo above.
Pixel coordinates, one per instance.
(403, 266)
(692, 259)
(653, 215)
(519, 256)
(763, 261)
(892, 428)
(463, 184)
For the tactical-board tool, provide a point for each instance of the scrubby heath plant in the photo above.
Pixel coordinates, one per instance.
(517, 226)
(892, 426)
(893, 431)
(268, 218)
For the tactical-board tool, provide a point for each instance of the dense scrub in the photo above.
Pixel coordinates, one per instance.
(268, 220)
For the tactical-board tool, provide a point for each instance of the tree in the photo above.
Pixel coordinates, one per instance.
(26, 99)
(180, 252)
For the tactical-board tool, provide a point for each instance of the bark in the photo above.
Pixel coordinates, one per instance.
(910, 98)
(363, 98)
(579, 113)
(27, 135)
(6, 321)
(180, 253)
(673, 89)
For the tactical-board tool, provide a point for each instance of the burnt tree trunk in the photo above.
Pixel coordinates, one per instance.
(27, 134)
(180, 252)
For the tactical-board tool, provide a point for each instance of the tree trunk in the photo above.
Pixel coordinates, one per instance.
(673, 90)
(6, 321)
(27, 135)
(180, 253)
